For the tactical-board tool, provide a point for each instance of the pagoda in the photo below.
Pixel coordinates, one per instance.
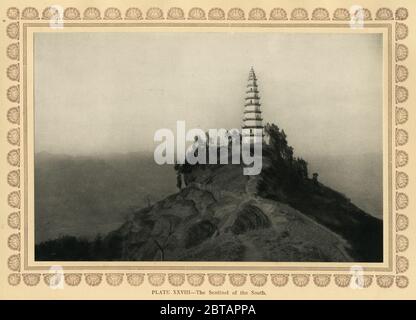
(252, 119)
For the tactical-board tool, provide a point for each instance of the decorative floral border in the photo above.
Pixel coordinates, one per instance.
(196, 13)
(217, 14)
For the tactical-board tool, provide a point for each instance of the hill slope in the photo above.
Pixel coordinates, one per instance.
(219, 217)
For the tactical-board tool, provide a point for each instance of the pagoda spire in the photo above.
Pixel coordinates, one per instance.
(252, 119)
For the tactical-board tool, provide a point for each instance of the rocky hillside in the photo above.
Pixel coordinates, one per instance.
(221, 215)
(280, 215)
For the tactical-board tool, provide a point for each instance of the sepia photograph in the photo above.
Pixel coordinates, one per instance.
(208, 146)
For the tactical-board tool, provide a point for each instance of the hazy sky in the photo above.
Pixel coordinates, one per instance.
(109, 92)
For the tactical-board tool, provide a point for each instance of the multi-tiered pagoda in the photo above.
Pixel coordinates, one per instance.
(252, 120)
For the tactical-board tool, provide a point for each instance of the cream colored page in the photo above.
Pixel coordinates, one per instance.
(26, 23)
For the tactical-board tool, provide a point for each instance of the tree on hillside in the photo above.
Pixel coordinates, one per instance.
(284, 173)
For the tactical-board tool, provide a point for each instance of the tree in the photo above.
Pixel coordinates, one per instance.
(285, 172)
(163, 243)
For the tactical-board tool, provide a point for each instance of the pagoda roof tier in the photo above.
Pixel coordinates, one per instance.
(255, 104)
(248, 111)
(252, 127)
(255, 119)
(256, 97)
(253, 91)
(253, 135)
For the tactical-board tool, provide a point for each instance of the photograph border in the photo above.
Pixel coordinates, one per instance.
(21, 19)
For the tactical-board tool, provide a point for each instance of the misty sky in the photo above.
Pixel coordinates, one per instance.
(109, 92)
